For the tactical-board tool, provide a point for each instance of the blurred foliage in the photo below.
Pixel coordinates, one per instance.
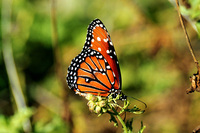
(55, 125)
(14, 123)
(154, 60)
(192, 10)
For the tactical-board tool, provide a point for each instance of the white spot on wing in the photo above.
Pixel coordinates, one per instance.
(113, 74)
(108, 67)
(100, 56)
(99, 48)
(87, 80)
(98, 39)
(105, 40)
(107, 51)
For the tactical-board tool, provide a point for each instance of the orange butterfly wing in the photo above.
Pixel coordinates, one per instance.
(98, 39)
(96, 70)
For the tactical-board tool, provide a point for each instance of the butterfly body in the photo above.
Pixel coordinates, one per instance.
(96, 70)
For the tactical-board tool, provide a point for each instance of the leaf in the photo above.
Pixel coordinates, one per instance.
(142, 128)
(198, 27)
(129, 124)
(134, 110)
(113, 119)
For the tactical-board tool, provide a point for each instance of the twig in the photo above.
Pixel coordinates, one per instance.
(54, 24)
(9, 60)
(187, 37)
(58, 68)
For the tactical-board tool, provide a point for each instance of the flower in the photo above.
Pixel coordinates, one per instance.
(90, 97)
(97, 109)
(102, 103)
(91, 105)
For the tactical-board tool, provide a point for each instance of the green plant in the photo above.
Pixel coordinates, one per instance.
(102, 105)
(14, 124)
(192, 13)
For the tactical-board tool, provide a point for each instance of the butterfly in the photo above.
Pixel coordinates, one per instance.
(96, 69)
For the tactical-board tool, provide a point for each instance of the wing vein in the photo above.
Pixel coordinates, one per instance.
(105, 72)
(92, 87)
(96, 79)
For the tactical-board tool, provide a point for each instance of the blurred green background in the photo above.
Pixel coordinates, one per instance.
(150, 44)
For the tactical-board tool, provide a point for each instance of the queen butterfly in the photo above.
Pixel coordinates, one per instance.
(96, 69)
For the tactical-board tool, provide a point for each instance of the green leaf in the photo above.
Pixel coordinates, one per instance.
(142, 128)
(198, 28)
(113, 119)
(15, 123)
(129, 124)
(134, 110)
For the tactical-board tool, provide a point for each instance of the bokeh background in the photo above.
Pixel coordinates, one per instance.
(152, 51)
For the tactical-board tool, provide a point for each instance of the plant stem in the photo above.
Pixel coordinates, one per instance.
(187, 37)
(9, 60)
(66, 114)
(121, 121)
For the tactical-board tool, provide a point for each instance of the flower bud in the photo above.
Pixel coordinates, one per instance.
(90, 97)
(91, 108)
(91, 105)
(99, 98)
(102, 103)
(104, 110)
(97, 109)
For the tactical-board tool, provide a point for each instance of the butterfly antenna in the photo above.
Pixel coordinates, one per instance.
(145, 105)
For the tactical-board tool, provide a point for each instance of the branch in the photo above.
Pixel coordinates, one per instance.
(187, 37)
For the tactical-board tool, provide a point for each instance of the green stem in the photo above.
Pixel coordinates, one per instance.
(9, 60)
(121, 121)
(58, 66)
